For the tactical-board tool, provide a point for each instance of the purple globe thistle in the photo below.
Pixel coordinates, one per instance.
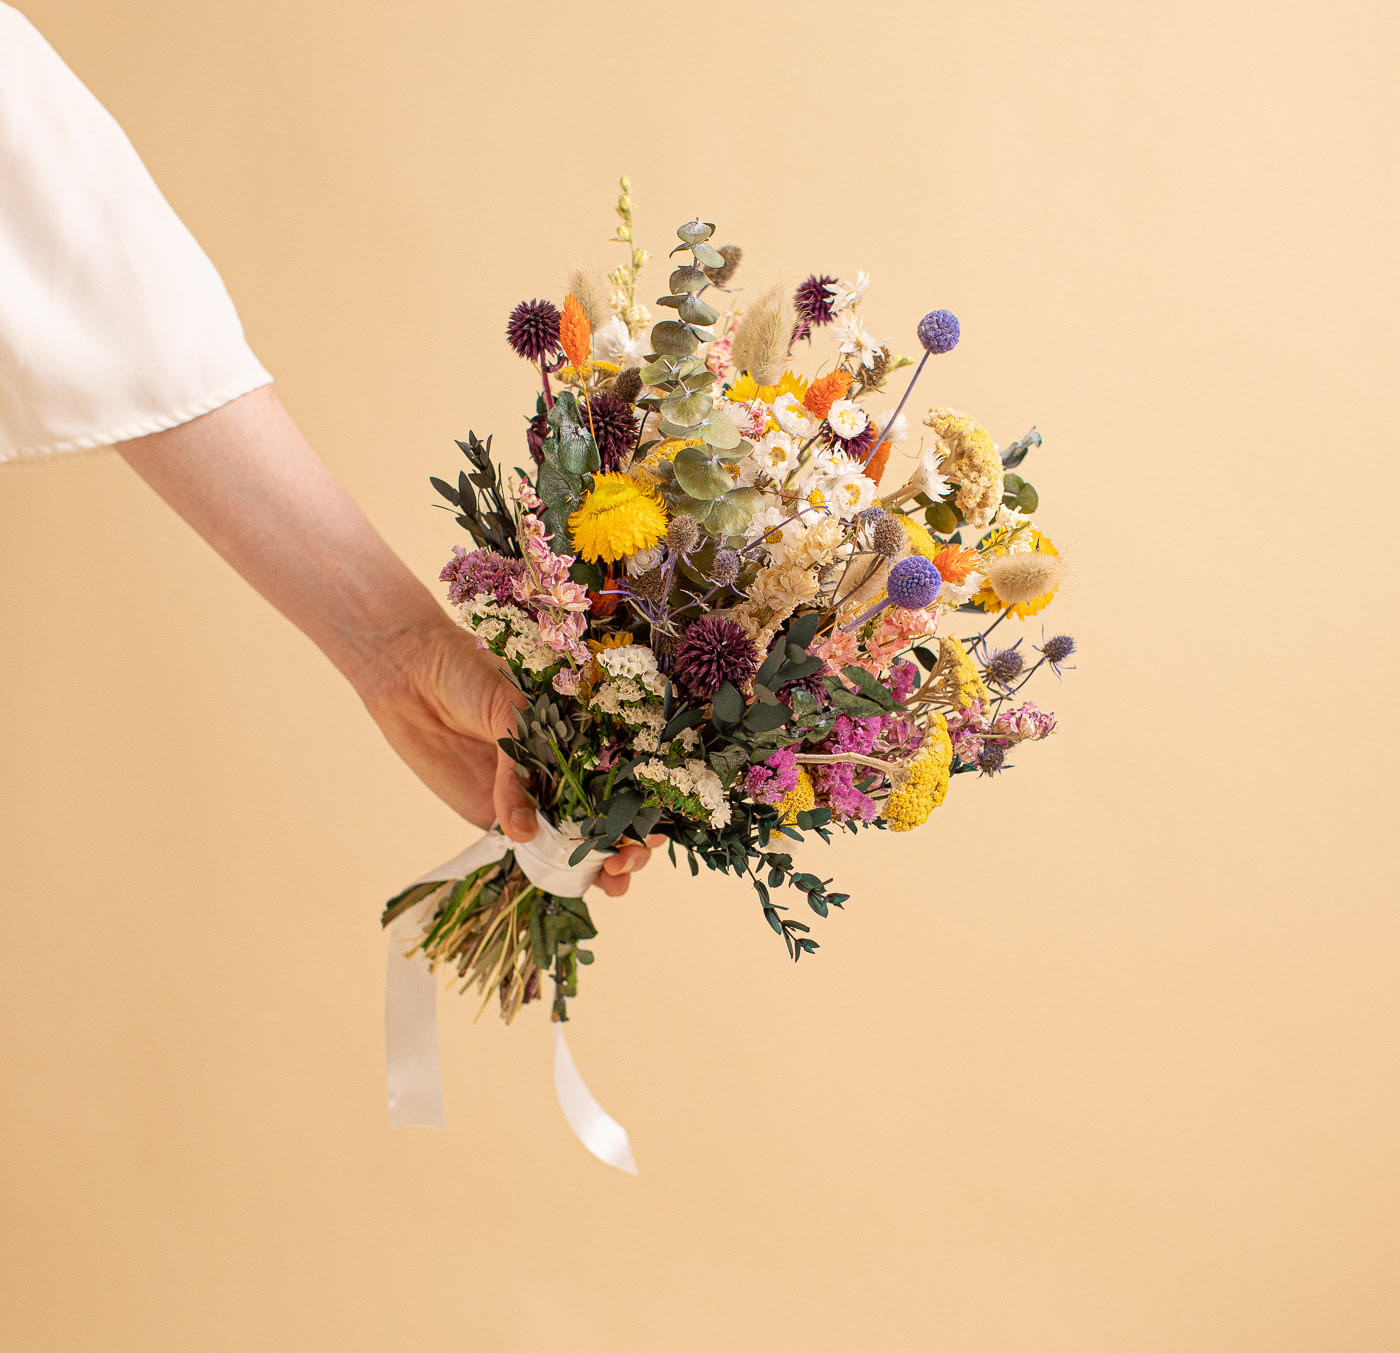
(1004, 666)
(939, 331)
(533, 329)
(913, 582)
(614, 427)
(713, 650)
(1056, 649)
(725, 567)
(814, 304)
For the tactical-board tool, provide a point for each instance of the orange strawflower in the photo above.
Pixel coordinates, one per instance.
(604, 603)
(955, 562)
(575, 334)
(875, 466)
(825, 391)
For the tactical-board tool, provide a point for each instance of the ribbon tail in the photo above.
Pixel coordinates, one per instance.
(603, 1135)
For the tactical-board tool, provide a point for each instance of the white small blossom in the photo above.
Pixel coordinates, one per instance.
(929, 476)
(845, 295)
(613, 343)
(847, 419)
(896, 433)
(644, 561)
(793, 418)
(853, 338)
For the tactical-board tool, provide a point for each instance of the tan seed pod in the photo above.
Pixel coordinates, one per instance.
(1017, 578)
(762, 340)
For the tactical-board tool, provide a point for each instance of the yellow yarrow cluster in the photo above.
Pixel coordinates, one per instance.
(920, 541)
(619, 517)
(997, 544)
(664, 450)
(964, 681)
(591, 369)
(924, 784)
(801, 798)
(971, 462)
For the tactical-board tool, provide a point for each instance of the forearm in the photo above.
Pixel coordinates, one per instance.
(248, 482)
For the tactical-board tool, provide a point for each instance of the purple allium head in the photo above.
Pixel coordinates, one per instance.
(939, 331)
(713, 650)
(474, 573)
(1004, 666)
(1056, 649)
(533, 329)
(535, 432)
(614, 426)
(813, 302)
(913, 582)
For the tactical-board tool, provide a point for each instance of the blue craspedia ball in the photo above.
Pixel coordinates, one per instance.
(913, 583)
(939, 331)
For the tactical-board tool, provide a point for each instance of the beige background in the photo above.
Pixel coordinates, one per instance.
(1104, 1061)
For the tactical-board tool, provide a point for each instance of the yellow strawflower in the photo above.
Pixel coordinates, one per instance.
(618, 517)
(924, 783)
(801, 798)
(744, 388)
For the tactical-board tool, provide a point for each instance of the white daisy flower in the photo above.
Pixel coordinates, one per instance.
(853, 338)
(793, 418)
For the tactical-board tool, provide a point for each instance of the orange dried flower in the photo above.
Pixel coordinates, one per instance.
(955, 562)
(575, 333)
(825, 391)
(875, 466)
(604, 603)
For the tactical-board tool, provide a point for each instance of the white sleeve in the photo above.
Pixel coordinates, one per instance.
(113, 321)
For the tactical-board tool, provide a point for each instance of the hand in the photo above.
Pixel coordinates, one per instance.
(442, 702)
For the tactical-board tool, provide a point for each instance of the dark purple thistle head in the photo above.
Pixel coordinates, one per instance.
(813, 302)
(939, 331)
(991, 758)
(533, 329)
(1004, 666)
(1056, 649)
(614, 426)
(913, 583)
(713, 650)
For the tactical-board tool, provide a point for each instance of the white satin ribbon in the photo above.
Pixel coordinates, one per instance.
(413, 1073)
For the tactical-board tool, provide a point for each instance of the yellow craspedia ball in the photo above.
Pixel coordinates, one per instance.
(924, 784)
(619, 517)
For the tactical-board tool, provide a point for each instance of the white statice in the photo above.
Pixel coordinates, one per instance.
(847, 419)
(793, 418)
(691, 780)
(852, 338)
(846, 295)
(507, 630)
(635, 662)
(613, 343)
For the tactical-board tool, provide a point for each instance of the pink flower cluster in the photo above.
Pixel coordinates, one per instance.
(769, 781)
(544, 588)
(970, 728)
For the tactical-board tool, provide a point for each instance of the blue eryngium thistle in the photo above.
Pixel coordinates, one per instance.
(1005, 665)
(939, 331)
(1056, 649)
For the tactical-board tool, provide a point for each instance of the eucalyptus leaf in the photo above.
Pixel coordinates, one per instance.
(707, 256)
(688, 410)
(670, 338)
(693, 232)
(728, 704)
(720, 431)
(695, 311)
(687, 278)
(698, 475)
(731, 513)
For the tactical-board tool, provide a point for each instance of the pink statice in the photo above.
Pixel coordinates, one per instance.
(751, 417)
(719, 357)
(566, 681)
(769, 781)
(835, 787)
(968, 727)
(475, 573)
(902, 679)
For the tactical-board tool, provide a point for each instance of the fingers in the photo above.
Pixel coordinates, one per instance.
(513, 808)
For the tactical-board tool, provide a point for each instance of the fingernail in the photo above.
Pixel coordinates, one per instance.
(522, 824)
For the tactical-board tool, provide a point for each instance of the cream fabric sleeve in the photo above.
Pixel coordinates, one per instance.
(113, 321)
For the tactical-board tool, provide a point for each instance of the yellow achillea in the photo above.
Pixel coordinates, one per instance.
(920, 541)
(964, 681)
(924, 783)
(801, 798)
(971, 462)
(574, 375)
(995, 546)
(618, 517)
(665, 450)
